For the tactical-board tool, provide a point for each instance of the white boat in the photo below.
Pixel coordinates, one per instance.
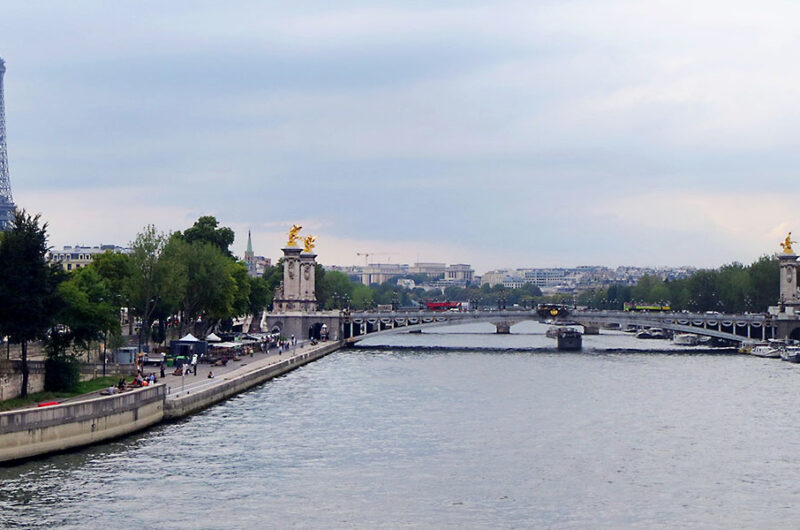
(685, 339)
(766, 350)
(651, 333)
(791, 354)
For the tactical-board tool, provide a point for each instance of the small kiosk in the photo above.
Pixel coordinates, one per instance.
(181, 350)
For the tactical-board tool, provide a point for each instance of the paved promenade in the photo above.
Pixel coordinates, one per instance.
(181, 385)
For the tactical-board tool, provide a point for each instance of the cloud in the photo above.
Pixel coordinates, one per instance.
(504, 134)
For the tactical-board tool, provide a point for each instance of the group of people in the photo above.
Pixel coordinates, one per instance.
(138, 381)
(284, 345)
(187, 368)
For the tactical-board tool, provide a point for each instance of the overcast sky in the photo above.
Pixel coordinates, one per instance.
(501, 134)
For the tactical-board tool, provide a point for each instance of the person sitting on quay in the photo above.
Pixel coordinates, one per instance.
(210, 375)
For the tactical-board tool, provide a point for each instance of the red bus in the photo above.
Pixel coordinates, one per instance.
(443, 306)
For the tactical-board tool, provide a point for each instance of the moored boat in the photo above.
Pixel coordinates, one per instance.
(569, 339)
(685, 339)
(791, 354)
(766, 350)
(651, 333)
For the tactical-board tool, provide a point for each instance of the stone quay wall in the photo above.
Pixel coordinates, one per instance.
(11, 378)
(11, 375)
(36, 431)
(31, 432)
(236, 382)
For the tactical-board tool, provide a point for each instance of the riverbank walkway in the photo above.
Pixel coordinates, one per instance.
(178, 386)
(97, 417)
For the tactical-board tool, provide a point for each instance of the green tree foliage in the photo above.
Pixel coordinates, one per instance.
(241, 294)
(209, 288)
(362, 297)
(115, 268)
(157, 280)
(259, 295)
(62, 371)
(764, 275)
(733, 288)
(88, 310)
(28, 285)
(273, 276)
(335, 288)
(205, 229)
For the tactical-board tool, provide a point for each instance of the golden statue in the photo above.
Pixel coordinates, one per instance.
(787, 244)
(309, 243)
(294, 235)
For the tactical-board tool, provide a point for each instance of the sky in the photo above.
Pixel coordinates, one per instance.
(500, 134)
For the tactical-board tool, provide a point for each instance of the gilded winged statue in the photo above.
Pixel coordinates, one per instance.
(787, 244)
(309, 243)
(294, 235)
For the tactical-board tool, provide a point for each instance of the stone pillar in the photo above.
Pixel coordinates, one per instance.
(503, 328)
(307, 281)
(789, 291)
(296, 292)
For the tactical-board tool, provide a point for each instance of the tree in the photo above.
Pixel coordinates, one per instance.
(209, 287)
(157, 279)
(205, 229)
(764, 278)
(88, 311)
(116, 269)
(334, 288)
(362, 297)
(27, 285)
(273, 276)
(259, 295)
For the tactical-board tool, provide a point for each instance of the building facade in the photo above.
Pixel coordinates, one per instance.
(77, 257)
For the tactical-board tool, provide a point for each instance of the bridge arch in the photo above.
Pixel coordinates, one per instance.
(795, 334)
(317, 330)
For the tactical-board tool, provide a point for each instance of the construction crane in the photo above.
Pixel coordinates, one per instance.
(368, 254)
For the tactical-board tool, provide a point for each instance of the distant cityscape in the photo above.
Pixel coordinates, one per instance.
(550, 280)
(435, 275)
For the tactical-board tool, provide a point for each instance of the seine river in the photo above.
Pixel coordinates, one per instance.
(408, 436)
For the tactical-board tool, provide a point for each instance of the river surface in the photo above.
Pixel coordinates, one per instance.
(396, 434)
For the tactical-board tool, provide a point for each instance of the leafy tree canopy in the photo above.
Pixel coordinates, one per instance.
(206, 229)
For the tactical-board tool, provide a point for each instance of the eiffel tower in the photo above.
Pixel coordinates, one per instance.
(7, 206)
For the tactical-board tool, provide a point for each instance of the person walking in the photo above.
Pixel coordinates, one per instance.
(194, 363)
(162, 370)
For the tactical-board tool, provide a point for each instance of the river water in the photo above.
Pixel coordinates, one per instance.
(399, 434)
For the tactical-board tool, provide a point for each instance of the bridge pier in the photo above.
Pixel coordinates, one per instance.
(503, 328)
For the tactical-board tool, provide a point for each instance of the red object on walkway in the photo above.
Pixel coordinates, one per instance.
(47, 403)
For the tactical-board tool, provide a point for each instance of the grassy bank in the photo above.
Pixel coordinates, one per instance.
(84, 387)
